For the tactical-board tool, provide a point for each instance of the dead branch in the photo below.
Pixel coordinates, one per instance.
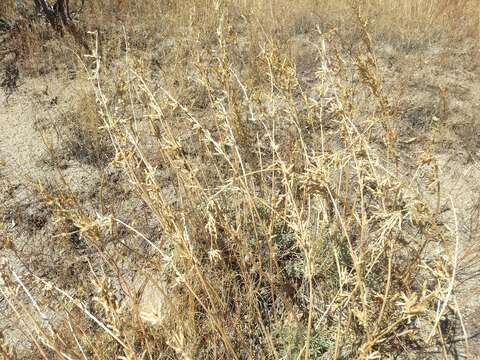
(59, 17)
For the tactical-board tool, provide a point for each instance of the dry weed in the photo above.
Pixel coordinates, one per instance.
(279, 223)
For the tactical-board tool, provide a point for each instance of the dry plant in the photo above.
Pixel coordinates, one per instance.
(281, 226)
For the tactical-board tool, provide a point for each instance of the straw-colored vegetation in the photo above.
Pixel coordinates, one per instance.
(254, 199)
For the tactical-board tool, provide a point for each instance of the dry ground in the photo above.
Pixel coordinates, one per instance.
(50, 136)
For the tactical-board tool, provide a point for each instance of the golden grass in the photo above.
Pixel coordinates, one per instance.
(278, 222)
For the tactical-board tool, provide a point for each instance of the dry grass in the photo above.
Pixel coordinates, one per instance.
(275, 220)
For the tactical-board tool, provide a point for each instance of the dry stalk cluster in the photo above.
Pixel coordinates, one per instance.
(283, 227)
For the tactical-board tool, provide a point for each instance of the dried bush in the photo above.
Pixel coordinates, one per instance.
(277, 223)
